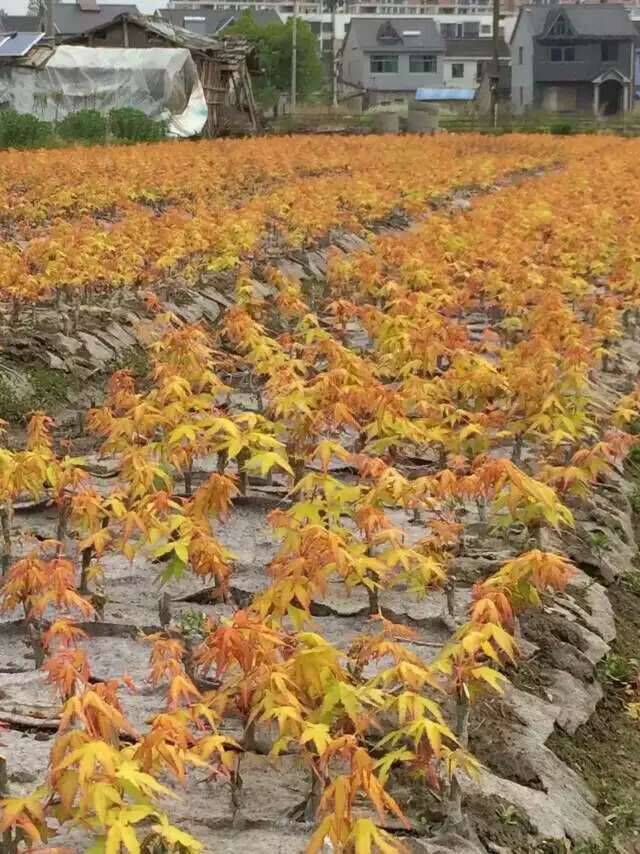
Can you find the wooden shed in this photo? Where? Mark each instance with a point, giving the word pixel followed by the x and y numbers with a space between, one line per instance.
pixel 224 64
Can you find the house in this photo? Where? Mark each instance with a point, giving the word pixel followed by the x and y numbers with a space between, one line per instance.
pixel 466 59
pixel 72 18
pixel 388 60
pixel 211 22
pixel 223 65
pixel 20 24
pixel 69 18
pixel 485 93
pixel 53 82
pixel 570 58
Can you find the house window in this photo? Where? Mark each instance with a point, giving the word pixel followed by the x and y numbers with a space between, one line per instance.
pixel 609 51
pixel 467 29
pixel 422 63
pixel 384 63
pixel 562 54
pixel 521 95
pixel 457 70
pixel 520 55
pixel 485 29
pixel 387 33
pixel 479 70
pixel 559 28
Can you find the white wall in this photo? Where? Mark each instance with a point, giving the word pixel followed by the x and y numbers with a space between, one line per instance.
pixel 468 81
pixel 522 73
pixel 485 21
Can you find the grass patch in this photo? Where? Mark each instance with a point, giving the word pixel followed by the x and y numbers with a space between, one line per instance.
pixel 135 360
pixel 606 750
pixel 41 388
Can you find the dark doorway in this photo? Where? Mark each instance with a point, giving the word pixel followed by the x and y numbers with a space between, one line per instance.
pixel 611 93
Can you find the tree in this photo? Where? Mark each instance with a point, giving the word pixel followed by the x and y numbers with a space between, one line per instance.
pixel 38 8
pixel 274 46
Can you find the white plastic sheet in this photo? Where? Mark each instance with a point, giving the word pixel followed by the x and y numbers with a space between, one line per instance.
pixel 162 82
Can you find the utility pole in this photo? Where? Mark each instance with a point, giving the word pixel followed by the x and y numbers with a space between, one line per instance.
pixel 51 31
pixel 495 75
pixel 294 55
pixel 334 57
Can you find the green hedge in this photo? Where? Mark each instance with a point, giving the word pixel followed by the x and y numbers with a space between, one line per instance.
pixel 23 131
pixel 134 126
pixel 84 126
pixel 18 130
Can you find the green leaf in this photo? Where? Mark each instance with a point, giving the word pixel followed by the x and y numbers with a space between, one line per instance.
pixel 384 765
pixel 491 676
pixel 174 569
pixel 182 551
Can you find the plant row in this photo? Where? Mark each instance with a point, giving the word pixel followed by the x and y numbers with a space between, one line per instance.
pixel 446 381
pixel 139 217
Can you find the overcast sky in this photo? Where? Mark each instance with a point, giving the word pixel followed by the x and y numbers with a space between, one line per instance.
pixel 19 7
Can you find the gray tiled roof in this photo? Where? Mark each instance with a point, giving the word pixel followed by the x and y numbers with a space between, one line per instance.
pixel 364 31
pixel 602 19
pixel 262 17
pixel 70 19
pixel 20 23
pixel 214 20
pixel 475 47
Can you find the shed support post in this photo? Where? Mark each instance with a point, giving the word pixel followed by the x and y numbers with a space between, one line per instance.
pixel 50 23
pixel 596 99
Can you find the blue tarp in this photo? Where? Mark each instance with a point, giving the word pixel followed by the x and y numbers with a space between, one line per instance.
pixel 445 94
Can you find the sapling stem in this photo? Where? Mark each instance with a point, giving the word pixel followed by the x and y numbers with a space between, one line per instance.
pixel 456 821
pixel 372 593
pixel 235 783
pixel 6 516
pixel 298 470
pixel 516 453
pixel 34 639
pixel 315 796
pixel 84 570
pixel 188 475
pixel 243 476
pixel 8 844
pixel 450 595
pixel 61 528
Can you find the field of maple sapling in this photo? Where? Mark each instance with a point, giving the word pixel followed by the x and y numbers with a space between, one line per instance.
pixel 329 571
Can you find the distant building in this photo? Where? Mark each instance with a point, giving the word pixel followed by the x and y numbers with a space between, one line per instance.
pixel 20 23
pixel 210 22
pixel 568 58
pixel 466 59
pixel 223 64
pixel 485 91
pixel 73 18
pixel 387 60
pixel 385 8
pixel 69 18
